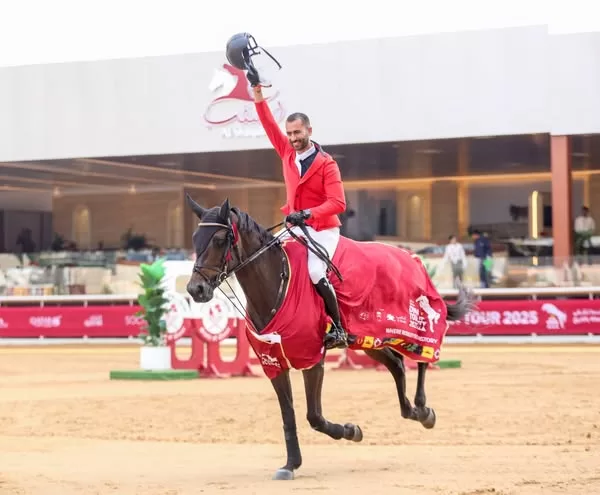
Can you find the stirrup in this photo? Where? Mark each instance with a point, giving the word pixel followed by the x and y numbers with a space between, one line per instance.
pixel 336 338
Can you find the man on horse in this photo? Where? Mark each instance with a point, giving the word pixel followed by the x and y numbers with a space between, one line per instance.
pixel 315 196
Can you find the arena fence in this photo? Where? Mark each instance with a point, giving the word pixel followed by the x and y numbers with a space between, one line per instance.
pixel 511 315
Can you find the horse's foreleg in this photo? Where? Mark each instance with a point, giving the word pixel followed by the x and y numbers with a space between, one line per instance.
pixel 313 385
pixel 425 415
pixel 283 389
pixel 395 365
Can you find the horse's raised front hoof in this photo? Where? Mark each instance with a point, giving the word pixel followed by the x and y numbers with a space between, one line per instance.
pixel 283 474
pixel 353 432
pixel 429 421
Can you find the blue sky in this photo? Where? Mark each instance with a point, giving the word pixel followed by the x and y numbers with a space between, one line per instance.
pixel 49 31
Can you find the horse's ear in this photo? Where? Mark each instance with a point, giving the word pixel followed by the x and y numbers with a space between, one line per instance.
pixel 196 208
pixel 225 210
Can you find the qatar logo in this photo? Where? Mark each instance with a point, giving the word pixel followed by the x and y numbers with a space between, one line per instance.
pixel 232 106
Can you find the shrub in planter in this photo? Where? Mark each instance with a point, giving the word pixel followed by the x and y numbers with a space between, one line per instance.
pixel 154 303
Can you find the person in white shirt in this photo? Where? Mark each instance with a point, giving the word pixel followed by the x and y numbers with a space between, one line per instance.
pixel 584 222
pixel 584 229
pixel 455 254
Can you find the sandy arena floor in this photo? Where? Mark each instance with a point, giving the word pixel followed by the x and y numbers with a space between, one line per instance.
pixel 521 420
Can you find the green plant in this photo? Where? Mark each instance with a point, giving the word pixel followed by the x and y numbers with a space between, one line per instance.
pixel 153 303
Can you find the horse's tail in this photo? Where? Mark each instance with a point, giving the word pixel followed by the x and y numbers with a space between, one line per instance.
pixel 465 302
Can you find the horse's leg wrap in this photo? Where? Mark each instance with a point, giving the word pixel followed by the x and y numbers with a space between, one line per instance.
pixel 395 364
pixel 283 389
pixel 313 384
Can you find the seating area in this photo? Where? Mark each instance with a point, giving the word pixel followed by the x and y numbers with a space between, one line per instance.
pixel 66 272
pixel 116 272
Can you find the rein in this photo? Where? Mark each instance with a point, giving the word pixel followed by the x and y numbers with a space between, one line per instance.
pixel 223 274
pixel 321 252
pixel 233 243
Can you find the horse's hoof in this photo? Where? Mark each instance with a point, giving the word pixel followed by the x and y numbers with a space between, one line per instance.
pixel 357 434
pixel 429 421
pixel 283 474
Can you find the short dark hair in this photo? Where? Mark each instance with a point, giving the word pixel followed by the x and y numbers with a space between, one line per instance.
pixel 299 116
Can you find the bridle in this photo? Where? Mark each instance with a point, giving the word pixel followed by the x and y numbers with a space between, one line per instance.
pixel 233 237
pixel 223 274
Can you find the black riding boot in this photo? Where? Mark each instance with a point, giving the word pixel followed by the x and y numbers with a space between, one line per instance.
pixel 336 337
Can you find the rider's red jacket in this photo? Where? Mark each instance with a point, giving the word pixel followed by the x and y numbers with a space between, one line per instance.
pixel 320 189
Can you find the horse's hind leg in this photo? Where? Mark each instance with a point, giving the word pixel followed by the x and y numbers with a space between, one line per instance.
pixel 313 385
pixel 395 364
pixel 425 415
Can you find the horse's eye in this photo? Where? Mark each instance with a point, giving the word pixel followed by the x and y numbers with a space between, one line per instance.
pixel 219 242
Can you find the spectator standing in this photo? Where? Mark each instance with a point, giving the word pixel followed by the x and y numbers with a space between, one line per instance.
pixel 455 254
pixel 483 252
pixel 584 230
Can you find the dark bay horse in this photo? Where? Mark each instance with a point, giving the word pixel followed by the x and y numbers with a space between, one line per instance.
pixel 228 241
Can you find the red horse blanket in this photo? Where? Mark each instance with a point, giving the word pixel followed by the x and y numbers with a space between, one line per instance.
pixel 386 299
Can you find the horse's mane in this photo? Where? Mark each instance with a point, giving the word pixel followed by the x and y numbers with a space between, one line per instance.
pixel 248 224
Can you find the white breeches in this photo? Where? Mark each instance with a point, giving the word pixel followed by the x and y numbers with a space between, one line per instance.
pixel 328 238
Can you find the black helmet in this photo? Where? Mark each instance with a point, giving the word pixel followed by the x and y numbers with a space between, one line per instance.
pixel 240 49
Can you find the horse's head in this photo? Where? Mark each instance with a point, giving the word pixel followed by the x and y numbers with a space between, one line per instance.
pixel 215 241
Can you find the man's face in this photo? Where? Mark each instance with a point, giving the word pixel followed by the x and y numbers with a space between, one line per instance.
pixel 298 134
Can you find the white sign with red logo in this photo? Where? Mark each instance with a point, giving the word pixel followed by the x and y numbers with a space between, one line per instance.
pixel 216 318
pixel 232 110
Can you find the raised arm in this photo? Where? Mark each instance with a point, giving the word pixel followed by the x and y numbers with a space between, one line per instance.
pixel 276 136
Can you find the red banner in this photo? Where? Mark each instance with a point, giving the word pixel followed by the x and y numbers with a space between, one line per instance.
pixel 541 317
pixel 526 317
pixel 69 321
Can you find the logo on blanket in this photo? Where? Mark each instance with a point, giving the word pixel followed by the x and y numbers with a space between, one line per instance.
pixel 267 360
pixel 369 342
pixel 421 322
